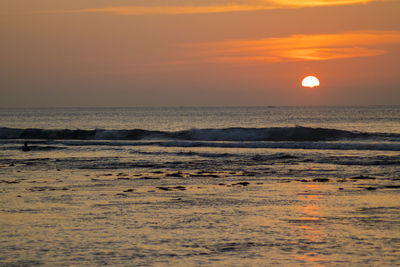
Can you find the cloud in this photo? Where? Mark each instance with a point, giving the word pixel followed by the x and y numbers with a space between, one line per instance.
pixel 314 3
pixel 299 47
pixel 217 6
pixel 172 10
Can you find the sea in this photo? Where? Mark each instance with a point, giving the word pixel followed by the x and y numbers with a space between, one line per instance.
pixel 200 186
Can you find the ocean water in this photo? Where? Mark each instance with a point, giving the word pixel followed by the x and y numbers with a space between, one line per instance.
pixel 228 186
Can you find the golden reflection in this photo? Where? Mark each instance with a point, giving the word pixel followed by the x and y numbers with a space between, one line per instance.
pixel 310 258
pixel 300 47
pixel 311 220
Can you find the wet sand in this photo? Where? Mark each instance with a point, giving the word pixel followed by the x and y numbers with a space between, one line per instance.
pixel 203 217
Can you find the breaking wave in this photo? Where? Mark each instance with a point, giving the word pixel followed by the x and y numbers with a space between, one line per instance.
pixel 297 133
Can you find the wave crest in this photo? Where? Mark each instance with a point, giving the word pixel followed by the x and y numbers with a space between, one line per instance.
pixel 297 133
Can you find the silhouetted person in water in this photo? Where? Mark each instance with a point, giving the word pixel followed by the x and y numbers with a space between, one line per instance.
pixel 26 148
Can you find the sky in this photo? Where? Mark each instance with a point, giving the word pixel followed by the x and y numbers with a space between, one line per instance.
pixel 102 53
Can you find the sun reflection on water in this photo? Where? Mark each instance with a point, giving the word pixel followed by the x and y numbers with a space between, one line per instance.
pixel 311 222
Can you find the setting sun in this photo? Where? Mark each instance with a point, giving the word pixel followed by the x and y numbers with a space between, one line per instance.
pixel 310 81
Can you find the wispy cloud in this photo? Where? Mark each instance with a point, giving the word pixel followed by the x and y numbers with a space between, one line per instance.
pixel 172 10
pixel 299 47
pixel 313 3
pixel 218 6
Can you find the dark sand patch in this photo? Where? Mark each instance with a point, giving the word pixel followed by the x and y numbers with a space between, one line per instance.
pixel 362 177
pixel 242 183
pixel 172 188
pixel 321 180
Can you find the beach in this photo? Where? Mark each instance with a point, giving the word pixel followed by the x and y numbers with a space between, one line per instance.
pixel 305 186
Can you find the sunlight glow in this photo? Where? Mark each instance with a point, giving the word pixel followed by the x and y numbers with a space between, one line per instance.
pixel 310 81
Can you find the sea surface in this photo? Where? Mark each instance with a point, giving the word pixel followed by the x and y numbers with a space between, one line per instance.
pixel 222 186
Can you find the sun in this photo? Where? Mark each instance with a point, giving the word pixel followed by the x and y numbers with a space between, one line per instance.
pixel 310 81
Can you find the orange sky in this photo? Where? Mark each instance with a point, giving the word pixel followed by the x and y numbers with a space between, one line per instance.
pixel 203 53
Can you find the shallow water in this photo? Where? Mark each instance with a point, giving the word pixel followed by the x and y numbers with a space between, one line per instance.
pixel 187 202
